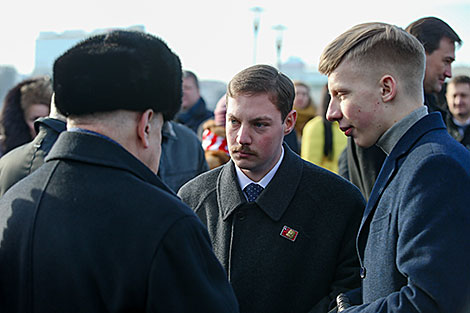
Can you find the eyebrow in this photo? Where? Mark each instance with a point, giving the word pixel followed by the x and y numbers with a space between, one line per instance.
pixel 257 119
pixel 262 119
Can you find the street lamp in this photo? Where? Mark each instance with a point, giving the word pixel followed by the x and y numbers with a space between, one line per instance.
pixel 279 28
pixel 257 11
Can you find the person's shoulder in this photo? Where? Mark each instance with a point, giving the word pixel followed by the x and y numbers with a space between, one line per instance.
pixel 17 182
pixel 15 163
pixel 313 125
pixel 150 199
pixel 439 147
pixel 319 179
pixel 440 142
pixel 314 172
pixel 183 130
pixel 16 154
pixel 204 181
pixel 199 187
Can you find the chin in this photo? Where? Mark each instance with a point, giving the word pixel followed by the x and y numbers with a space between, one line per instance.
pixel 243 164
pixel 363 144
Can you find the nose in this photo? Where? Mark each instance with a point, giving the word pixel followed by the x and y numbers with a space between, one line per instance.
pixel 243 135
pixel 334 111
pixel 448 71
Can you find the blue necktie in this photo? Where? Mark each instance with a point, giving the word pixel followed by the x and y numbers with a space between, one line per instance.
pixel 252 191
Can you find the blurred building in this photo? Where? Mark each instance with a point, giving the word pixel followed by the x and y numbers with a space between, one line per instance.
pixel 212 91
pixel 51 45
pixel 296 69
pixel 9 77
pixel 460 70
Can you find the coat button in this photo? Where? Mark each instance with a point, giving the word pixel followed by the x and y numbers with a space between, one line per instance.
pixel 362 272
pixel 241 216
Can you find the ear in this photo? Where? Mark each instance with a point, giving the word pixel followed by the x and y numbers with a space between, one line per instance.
pixel 388 88
pixel 143 127
pixel 290 121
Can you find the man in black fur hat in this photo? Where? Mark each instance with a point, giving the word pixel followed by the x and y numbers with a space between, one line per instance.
pixel 94 229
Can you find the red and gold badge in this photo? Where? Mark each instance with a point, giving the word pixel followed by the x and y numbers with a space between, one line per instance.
pixel 289 233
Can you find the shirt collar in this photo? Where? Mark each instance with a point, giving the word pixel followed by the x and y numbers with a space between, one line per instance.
pixel 244 181
pixel 391 137
pixel 460 124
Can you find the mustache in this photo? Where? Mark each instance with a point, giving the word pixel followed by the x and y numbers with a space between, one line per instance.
pixel 242 149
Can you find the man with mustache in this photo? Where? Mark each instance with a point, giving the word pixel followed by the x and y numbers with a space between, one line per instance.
pixel 283 228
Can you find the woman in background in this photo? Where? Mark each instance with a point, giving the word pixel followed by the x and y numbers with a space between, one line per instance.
pixel 323 141
pixel 24 103
pixel 303 104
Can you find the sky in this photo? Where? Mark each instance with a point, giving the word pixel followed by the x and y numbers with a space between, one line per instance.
pixel 215 38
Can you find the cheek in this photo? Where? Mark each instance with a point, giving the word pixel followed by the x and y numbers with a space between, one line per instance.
pixel 231 135
pixel 268 143
pixel 30 124
pixel 363 118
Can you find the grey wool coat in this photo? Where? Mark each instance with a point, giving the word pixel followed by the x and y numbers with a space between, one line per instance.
pixel 271 273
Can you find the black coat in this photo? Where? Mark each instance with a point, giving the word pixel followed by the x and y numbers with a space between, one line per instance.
pixel 270 273
pixel 94 230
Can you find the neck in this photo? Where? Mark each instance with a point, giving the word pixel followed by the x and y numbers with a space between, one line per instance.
pixel 403 111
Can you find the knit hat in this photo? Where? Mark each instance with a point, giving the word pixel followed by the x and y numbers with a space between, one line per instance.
pixel 220 111
pixel 37 92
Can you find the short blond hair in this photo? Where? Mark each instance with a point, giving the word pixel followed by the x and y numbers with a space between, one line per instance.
pixel 380 46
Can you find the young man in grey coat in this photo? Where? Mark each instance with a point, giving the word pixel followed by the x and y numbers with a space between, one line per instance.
pixel 290 249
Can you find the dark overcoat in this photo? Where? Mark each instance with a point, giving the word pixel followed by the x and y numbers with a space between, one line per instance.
pixel 94 230
pixel 182 156
pixel 269 272
pixel 414 240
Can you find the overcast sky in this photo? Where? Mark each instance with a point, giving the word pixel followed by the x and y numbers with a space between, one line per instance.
pixel 214 38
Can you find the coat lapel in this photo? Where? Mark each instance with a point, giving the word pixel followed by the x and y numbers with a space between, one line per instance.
pixel 229 194
pixel 428 123
pixel 275 199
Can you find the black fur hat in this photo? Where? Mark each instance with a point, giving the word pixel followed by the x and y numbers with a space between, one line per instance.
pixel 119 70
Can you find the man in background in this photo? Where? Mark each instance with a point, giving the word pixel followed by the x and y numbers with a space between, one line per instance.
pixel 193 107
pixel 182 155
pixel 458 101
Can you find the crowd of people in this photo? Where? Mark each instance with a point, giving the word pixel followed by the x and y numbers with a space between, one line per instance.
pixel 120 191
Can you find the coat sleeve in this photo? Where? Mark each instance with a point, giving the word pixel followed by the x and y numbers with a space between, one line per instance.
pixel 186 276
pixel 347 263
pixel 433 247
